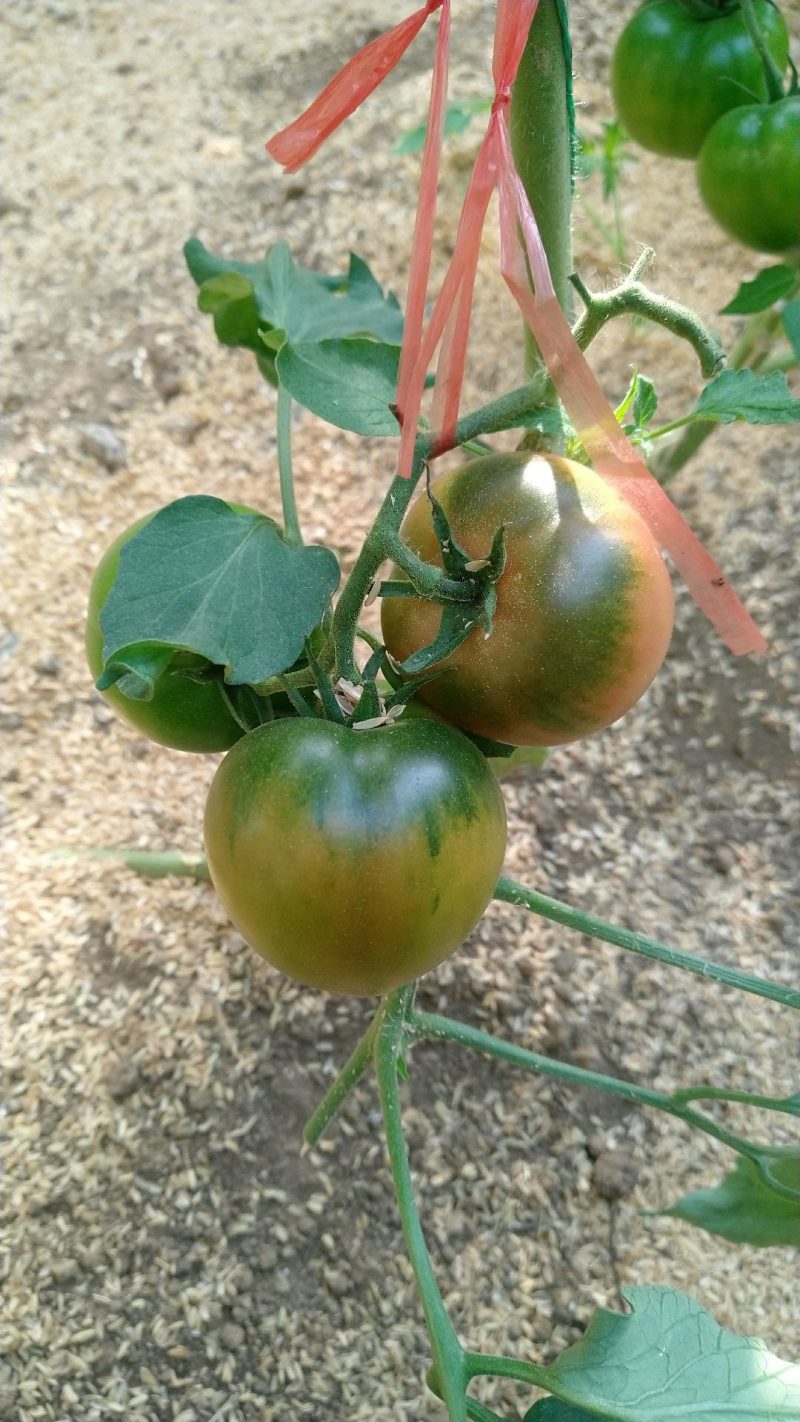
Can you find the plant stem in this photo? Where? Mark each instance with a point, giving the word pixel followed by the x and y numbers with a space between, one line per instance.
pixel 542 123
pixel 448 1355
pixel 291 522
pixel 150 863
pixel 632 298
pixel 430 1024
pixel 348 1077
pixel 511 892
pixel 772 74
pixel 755 343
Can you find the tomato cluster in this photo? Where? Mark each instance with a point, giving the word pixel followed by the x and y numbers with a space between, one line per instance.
pixel 688 82
pixel 355 858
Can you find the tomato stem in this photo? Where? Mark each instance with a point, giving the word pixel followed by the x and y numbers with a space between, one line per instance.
pixel 632 298
pixel 349 1077
pixel 753 349
pixel 773 77
pixel 291 522
pixel 423 1025
pixel 448 1355
pixel 543 143
pixel 508 891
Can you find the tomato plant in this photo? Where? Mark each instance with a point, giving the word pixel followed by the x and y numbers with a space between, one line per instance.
pixel 183 713
pixel 355 860
pixel 356 831
pixel 678 66
pixel 584 605
pixel 749 174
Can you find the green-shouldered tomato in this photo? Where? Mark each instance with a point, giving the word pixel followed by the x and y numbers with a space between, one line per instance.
pixel 584 605
pixel 354 861
pixel 749 174
pixel 678 67
pixel 184 714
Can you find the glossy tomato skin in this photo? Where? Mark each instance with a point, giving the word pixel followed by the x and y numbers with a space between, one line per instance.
pixel 749 174
pixel 354 861
pixel 183 714
pixel 584 605
pixel 674 74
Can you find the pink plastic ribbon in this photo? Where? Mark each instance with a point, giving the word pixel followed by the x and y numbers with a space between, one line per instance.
pixel 348 89
pixel 522 252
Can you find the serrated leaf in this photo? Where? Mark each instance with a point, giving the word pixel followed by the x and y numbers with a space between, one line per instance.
pixel 670 1361
pixel 350 383
pixel 285 296
pixel 744 1208
pixel 771 285
pixel 645 401
pixel 790 318
pixel 551 1409
pixel 744 395
pixel 225 585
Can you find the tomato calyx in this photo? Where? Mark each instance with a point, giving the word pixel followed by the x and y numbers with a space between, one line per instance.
pixel 479 576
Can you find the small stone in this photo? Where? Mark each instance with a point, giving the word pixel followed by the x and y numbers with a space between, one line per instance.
pixel 267 1258
pixel 104 445
pixel 122 1079
pixel 597 1144
pixel 615 1174
pixel 185 431
pixel 723 859
pixel 169 382
pixel 337 1282
pixel 64 1271
pixel 48 665
pixel 232 1335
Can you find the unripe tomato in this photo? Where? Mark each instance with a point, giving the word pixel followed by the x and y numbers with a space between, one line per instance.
pixel 749 174
pixel 354 860
pixel 675 72
pixel 584 605
pixel 183 714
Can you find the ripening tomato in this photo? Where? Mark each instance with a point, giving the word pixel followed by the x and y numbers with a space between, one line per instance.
pixel 749 174
pixel 584 604
pixel 355 860
pixel 183 714
pixel 675 71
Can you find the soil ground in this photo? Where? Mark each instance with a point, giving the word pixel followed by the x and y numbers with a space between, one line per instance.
pixel 172 1255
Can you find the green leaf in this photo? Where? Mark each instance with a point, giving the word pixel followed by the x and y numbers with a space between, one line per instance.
pixel 550 1409
pixel 350 383
pixel 670 1361
pixel 262 305
pixel 744 395
pixel 645 401
pixel 203 578
pixel 744 1208
pixel 790 318
pixel 458 116
pixel 771 285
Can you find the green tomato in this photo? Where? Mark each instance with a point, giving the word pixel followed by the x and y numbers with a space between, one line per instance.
pixel 354 861
pixel 675 72
pixel 584 605
pixel 749 174
pixel 184 714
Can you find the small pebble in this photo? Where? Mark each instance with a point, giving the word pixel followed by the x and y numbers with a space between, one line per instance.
pixel 615 1174
pixel 105 446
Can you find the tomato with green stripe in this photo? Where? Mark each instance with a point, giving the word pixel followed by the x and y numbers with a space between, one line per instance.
pixel 355 860
pixel 584 604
